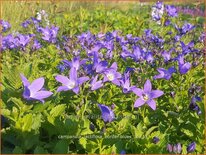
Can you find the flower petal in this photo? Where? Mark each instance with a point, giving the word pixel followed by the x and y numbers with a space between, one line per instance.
pixel 76 90
pixel 62 88
pixel 81 80
pixel 107 113
pixel 156 93
pixel 36 85
pixel 96 85
pixel 137 91
pixel 147 86
pixel 73 74
pixel 184 68
pixel 24 80
pixel 114 66
pixel 41 95
pixel 116 82
pixel 63 79
pixel 139 102
pixel 152 104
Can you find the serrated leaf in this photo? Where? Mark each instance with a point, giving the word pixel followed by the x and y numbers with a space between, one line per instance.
pixel 83 142
pixel 58 110
pixel 17 102
pixel 150 130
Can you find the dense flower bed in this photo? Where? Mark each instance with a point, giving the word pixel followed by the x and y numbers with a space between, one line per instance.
pixel 103 92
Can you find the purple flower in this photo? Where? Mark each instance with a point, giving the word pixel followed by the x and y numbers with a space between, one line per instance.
pixel 167 22
pixel 183 67
pixel 191 147
pixel 5 25
pixel 187 48
pixel 193 105
pixel 72 83
pixel 177 148
pixel 35 21
pixel 8 42
pixel 23 40
pixel 123 152
pixel 34 90
pixel 149 57
pixel 96 84
pixel 159 5
pixel 61 67
pixel 49 34
pixel 166 56
pixel 125 83
pixel 185 28
pixel 155 140
pixel 171 11
pixel 75 63
pixel 112 75
pixel 166 74
pixel 169 147
pixel 97 66
pixel 107 113
pixel 137 53
pixel 26 23
pixel 157 11
pixel 36 45
pixel 147 95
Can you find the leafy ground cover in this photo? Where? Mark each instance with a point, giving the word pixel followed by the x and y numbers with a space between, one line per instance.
pixel 103 80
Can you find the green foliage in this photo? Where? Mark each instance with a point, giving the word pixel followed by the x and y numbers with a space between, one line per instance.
pixel 63 123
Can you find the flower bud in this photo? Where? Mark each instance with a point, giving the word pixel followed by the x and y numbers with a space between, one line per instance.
pixel 191 147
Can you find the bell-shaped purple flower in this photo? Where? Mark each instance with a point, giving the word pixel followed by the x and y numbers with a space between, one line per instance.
pixel 147 95
pixel 183 67
pixel 177 148
pixel 26 23
pixel 191 147
pixel 49 34
pixel 96 84
pixel 187 48
pixel 155 140
pixel 71 83
pixel 171 11
pixel 75 63
pixel 34 91
pixel 193 105
pixel 169 147
pixel 107 113
pixel 5 25
pixel 185 28
pixel 125 83
pixel 166 56
pixel 165 74
pixel 112 75
pixel 37 45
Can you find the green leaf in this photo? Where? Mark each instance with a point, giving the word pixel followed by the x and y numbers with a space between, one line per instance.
pixel 40 150
pixel 150 130
pixel 58 110
pixel 83 142
pixel 17 150
pixel 61 147
pixel 17 102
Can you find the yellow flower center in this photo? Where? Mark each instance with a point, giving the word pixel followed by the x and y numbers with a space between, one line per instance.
pixel 110 76
pixel 145 97
pixel 71 85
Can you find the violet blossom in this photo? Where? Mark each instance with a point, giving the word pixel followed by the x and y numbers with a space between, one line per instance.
pixel 147 95
pixel 34 91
